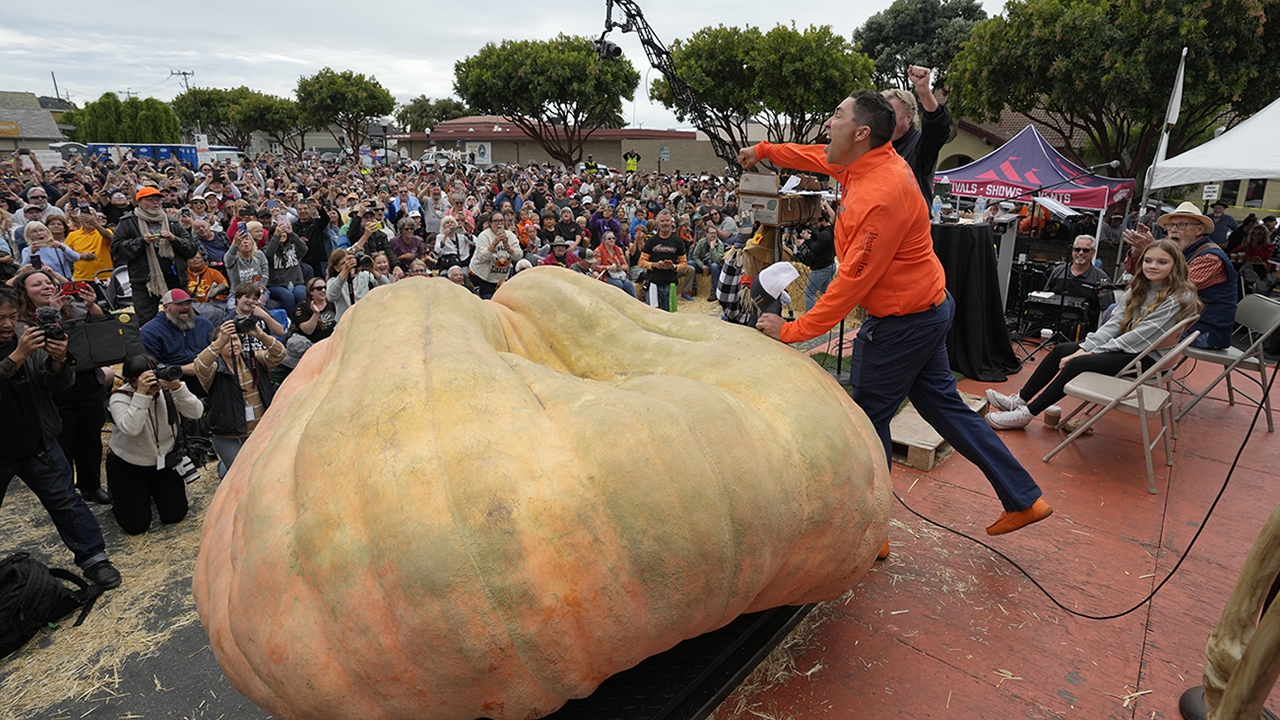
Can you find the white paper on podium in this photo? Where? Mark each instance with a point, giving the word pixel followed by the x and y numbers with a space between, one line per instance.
pixel 775 278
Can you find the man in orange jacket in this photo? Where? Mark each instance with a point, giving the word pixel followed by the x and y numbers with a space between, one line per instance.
pixel 884 246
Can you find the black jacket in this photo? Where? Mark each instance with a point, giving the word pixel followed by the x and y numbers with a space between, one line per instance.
pixel 29 420
pixel 314 233
pixel 822 251
pixel 920 148
pixel 226 399
pixel 130 247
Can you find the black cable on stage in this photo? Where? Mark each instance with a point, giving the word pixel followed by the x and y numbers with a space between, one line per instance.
pixel 1230 471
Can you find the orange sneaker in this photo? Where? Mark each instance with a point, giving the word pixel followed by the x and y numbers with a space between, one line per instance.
pixel 1010 521
pixel 884 550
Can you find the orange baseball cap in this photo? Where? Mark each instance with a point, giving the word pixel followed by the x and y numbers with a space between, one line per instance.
pixel 146 192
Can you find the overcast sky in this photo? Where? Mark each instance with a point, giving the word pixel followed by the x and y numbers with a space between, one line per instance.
pixel 410 47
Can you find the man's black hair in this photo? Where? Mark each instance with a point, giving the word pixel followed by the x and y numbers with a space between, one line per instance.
pixel 872 109
pixel 8 297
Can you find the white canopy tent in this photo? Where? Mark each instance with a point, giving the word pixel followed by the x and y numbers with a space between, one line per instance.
pixel 1251 150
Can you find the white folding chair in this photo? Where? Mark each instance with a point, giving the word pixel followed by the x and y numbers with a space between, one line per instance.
pixel 1260 316
pixel 1103 393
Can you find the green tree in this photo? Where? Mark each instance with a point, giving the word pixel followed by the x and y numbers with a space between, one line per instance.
pixel 1112 88
pixel 717 63
pixel 786 79
pixel 99 121
pixel 928 33
pixel 556 90
pixel 278 118
pixel 156 122
pixel 209 110
pixel 802 76
pixel 422 113
pixel 136 120
pixel 347 100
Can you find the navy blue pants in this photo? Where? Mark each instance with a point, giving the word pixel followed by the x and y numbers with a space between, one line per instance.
pixel 49 477
pixel 906 357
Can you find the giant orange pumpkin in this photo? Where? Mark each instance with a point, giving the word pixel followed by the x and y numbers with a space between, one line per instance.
pixel 459 509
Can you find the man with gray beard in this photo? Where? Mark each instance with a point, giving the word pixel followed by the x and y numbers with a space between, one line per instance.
pixel 178 334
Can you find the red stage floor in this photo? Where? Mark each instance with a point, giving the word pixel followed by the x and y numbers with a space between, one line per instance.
pixel 945 628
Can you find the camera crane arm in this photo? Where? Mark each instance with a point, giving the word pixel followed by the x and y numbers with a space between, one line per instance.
pixel 660 59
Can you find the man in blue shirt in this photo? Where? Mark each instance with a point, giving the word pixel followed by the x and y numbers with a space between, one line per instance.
pixel 1223 224
pixel 177 335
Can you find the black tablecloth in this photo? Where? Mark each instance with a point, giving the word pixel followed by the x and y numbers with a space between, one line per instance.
pixel 978 341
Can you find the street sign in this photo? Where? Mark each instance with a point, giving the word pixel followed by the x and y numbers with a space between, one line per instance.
pixel 1210 192
pixel 664 154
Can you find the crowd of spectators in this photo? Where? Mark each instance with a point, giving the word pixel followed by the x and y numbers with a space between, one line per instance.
pixel 235 269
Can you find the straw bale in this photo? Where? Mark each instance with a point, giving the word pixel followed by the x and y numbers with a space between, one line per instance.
pixel 134 620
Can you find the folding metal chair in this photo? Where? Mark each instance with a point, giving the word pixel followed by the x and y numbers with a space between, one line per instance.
pixel 1104 393
pixel 1260 316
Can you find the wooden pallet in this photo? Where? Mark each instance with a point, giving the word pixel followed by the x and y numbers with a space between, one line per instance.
pixel 916 444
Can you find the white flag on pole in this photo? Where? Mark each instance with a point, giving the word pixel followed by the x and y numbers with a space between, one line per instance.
pixel 1175 100
pixel 1175 107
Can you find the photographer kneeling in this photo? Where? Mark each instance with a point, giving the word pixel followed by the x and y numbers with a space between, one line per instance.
pixel 142 464
pixel 238 383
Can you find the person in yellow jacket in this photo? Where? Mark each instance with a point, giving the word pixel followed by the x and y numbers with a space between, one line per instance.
pixel 92 240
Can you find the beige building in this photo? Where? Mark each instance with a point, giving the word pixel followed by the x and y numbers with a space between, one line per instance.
pixel 26 124
pixel 495 139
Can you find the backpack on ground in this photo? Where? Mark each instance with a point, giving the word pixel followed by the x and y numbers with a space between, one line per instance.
pixel 33 595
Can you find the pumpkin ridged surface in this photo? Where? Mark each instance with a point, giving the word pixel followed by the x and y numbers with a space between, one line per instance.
pixel 458 508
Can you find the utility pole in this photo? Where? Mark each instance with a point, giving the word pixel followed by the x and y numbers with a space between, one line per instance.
pixel 186 83
pixel 185 75
pixel 128 93
pixel 55 85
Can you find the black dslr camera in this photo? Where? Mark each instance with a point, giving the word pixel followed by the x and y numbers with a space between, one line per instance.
pixel 167 373
pixel 49 320
pixel 245 325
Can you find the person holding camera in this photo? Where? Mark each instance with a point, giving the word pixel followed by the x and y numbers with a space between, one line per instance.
pixel 248 310
pixel 453 244
pixel 142 466
pixel 819 253
pixel 285 251
pixel 32 368
pixel 155 250
pixel 348 281
pixel 43 251
pixel 367 232
pixel 92 240
pixel 497 250
pixel 43 302
pixel 244 262
pixel 239 385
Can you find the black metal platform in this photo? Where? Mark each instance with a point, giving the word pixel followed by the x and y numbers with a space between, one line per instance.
pixel 691 679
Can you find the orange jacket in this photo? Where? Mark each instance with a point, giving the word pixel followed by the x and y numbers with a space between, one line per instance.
pixel 884 241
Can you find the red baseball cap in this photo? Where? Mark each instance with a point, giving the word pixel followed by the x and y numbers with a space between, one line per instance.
pixel 175 296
